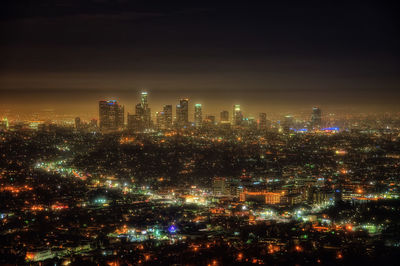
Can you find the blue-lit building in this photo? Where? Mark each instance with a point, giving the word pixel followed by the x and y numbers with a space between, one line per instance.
pixel 111 115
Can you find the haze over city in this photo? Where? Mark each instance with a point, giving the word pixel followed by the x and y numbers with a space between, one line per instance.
pixel 272 57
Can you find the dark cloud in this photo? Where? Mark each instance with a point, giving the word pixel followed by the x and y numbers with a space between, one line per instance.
pixel 297 54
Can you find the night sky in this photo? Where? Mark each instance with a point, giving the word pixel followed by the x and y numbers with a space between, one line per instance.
pixel 68 55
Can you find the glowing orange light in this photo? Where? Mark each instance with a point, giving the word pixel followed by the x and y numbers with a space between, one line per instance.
pixel 30 256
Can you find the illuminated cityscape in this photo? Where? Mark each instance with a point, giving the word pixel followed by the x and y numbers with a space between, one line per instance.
pixel 197 134
pixel 223 192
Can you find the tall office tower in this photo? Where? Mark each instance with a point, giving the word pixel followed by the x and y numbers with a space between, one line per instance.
pixel 237 116
pixel 167 120
pixel 251 122
pixel 220 186
pixel 224 116
pixel 316 118
pixel 287 123
pixel 143 111
pixel 4 123
pixel 111 115
pixel 77 123
pixel 139 110
pixel 262 121
pixel 160 117
pixel 146 110
pixel 182 113
pixel 198 118
pixel 143 100
pixel 135 123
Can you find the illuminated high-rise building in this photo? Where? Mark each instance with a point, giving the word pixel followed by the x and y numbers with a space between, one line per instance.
pixel 316 118
pixel 224 116
pixel 220 186
pixel 139 110
pixel 4 123
pixel 287 123
pixel 111 115
pixel 167 116
pixel 198 116
pixel 143 100
pixel 237 115
pixel 182 113
pixel 146 111
pixel 262 121
pixel 143 111
pixel 77 123
pixel 135 123
pixel 160 120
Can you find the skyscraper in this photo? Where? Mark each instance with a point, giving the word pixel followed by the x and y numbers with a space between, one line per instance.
pixel 143 100
pixel 237 116
pixel 198 118
pixel 160 120
pixel 287 123
pixel 224 116
pixel 316 118
pixel 167 116
pixel 143 112
pixel 135 123
pixel 111 115
pixel 4 123
pixel 146 111
pixel 77 123
pixel 262 121
pixel 182 113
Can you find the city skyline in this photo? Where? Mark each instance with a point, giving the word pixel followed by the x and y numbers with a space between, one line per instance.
pixel 199 133
pixel 209 107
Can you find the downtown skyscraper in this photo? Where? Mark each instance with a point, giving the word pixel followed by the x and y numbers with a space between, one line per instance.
pixel 111 115
pixel 237 115
pixel 141 120
pixel 316 118
pixel 167 116
pixel 198 116
pixel 182 113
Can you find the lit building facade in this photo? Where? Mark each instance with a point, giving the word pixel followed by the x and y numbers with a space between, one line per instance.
pixel 143 111
pixel 167 117
pixel 316 118
pixel 224 117
pixel 111 115
pixel 262 121
pixel 237 115
pixel 182 113
pixel 198 116
pixel 261 196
